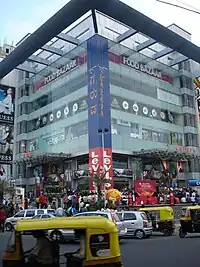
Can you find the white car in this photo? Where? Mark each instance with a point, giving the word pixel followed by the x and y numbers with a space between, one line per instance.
pixel 112 216
pixel 25 214
pixel 44 216
pixel 137 224
pixel 68 235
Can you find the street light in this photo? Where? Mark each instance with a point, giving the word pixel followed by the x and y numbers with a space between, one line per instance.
pixel 102 132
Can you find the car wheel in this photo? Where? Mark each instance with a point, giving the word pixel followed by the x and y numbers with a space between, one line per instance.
pixel 57 236
pixel 9 227
pixel 140 234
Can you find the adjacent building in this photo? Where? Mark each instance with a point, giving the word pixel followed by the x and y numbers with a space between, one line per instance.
pixel 103 94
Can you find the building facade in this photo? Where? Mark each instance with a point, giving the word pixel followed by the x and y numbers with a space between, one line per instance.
pixel 7 97
pixel 103 99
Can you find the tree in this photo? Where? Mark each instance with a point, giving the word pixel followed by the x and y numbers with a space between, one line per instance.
pixel 5 188
pixel 99 181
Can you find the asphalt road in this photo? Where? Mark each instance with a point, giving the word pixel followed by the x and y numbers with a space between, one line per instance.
pixel 155 251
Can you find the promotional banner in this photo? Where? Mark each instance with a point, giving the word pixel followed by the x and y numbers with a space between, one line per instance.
pixel 6 143
pixel 194 182
pixel 99 122
pixel 144 191
pixel 7 97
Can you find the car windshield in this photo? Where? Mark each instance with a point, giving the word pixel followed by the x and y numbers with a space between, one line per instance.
pixel 120 216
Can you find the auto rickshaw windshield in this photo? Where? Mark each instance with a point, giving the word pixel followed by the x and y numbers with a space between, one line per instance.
pixel 185 213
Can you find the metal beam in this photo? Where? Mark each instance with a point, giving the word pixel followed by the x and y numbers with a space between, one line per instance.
pixel 22 67
pixel 126 35
pixel 39 60
pixel 145 44
pixel 53 50
pixel 163 53
pixel 178 60
pixel 68 38
pixel 117 10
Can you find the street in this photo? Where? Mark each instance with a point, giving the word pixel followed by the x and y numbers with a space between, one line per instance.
pixel 157 250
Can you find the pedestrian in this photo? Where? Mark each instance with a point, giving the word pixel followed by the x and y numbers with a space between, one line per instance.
pixel 2 218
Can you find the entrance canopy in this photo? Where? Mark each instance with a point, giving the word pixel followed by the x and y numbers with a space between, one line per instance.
pixel 32 48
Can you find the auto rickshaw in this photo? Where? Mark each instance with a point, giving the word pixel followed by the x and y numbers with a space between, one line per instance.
pixel 99 244
pixel 189 220
pixel 162 219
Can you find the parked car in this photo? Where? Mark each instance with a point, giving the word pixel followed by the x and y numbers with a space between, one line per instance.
pixel 44 216
pixel 137 224
pixel 68 235
pixel 25 214
pixel 112 216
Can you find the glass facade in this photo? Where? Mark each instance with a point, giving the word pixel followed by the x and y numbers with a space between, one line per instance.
pixel 146 104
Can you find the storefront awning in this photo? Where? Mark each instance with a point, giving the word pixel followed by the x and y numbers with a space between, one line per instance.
pixel 33 160
pixel 167 154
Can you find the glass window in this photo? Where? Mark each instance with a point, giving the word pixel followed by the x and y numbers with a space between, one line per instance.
pixel 144 216
pixel 176 139
pixel 37 217
pixel 20 214
pixel 185 66
pixel 188 101
pixel 60 92
pixel 191 139
pixel 51 211
pixel 45 216
pixel 190 120
pixel 30 213
pixel 129 216
pixel 23 127
pixel 186 82
pixel 40 212
pixel 22 146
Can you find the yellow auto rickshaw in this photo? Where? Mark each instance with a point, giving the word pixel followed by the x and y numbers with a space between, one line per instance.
pixel 189 220
pixel 98 238
pixel 162 219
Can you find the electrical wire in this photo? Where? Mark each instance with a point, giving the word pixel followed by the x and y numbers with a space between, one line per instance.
pixel 174 5
pixel 193 7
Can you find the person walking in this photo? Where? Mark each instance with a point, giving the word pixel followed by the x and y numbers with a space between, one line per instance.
pixel 2 218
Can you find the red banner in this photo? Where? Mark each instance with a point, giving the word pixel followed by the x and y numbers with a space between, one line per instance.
pixel 100 162
pixel 145 190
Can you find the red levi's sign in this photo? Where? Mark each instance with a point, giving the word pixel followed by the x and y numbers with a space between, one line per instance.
pixel 100 162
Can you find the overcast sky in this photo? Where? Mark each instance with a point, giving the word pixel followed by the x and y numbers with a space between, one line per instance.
pixel 21 17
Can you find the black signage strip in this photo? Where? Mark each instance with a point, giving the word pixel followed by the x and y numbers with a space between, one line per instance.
pixel 113 8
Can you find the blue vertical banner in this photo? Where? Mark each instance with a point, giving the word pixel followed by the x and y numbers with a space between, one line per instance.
pixel 99 114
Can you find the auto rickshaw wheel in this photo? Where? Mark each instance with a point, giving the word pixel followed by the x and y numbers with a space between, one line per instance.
pixel 181 234
pixel 167 232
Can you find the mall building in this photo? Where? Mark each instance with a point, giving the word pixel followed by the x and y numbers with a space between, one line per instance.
pixel 99 91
